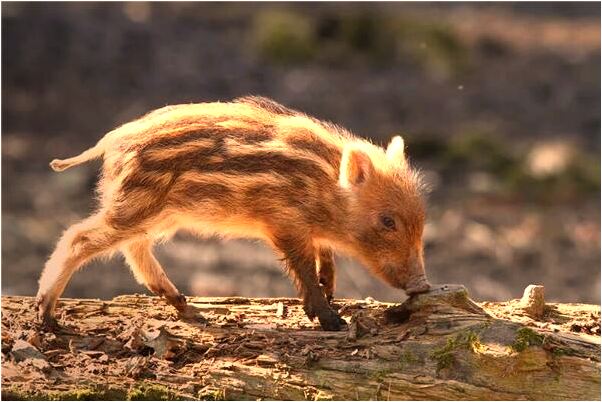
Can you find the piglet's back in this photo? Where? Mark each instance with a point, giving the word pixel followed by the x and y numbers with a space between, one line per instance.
pixel 252 158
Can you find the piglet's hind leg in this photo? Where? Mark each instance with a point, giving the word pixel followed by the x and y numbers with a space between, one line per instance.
pixel 149 272
pixel 78 245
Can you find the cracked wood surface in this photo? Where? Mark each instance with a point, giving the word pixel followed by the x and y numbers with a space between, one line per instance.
pixel 437 345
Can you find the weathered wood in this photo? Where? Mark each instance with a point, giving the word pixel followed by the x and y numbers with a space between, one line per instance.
pixel 438 345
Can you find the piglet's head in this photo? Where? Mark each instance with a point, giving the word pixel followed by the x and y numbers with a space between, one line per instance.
pixel 387 213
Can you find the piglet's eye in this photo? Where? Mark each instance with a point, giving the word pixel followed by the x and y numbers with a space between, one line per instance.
pixel 387 222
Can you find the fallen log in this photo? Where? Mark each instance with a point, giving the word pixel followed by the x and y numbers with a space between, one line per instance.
pixel 437 345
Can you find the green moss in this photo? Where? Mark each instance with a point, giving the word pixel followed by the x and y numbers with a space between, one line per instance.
pixel 13 393
pixel 150 392
pixel 444 357
pixel 84 394
pixel 460 297
pixel 323 396
pixel 463 341
pixel 81 394
pixel 211 394
pixel 409 358
pixel 378 375
pixel 526 337
pixel 140 392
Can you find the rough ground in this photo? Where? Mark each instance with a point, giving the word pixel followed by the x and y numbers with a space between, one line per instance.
pixel 134 347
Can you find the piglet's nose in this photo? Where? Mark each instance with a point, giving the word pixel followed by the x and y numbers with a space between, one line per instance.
pixel 418 284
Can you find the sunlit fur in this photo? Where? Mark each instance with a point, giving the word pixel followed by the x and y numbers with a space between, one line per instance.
pixel 247 168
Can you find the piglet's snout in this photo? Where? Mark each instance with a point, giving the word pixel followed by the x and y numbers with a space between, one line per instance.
pixel 417 284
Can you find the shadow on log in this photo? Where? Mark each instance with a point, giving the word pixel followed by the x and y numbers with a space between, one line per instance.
pixel 436 345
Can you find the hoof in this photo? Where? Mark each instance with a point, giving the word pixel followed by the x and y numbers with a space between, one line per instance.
pixel 331 321
pixel 178 301
pixel 191 313
pixel 309 312
pixel 44 315
pixel 48 323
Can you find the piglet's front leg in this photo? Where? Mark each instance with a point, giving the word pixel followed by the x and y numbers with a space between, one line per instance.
pixel 301 265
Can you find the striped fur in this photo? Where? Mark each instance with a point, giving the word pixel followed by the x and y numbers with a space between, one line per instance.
pixel 250 168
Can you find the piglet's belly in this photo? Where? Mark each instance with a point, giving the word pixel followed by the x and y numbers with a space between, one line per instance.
pixel 223 226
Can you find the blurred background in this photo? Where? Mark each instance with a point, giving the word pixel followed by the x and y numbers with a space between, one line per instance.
pixel 499 105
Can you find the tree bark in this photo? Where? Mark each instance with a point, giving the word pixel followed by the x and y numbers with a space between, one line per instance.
pixel 437 345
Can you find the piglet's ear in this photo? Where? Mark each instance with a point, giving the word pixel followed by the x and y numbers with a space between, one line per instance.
pixel 396 151
pixel 356 167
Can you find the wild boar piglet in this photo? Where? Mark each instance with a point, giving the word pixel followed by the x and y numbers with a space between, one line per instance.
pixel 248 168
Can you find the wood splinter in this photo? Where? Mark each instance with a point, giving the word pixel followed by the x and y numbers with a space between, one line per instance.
pixel 533 301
